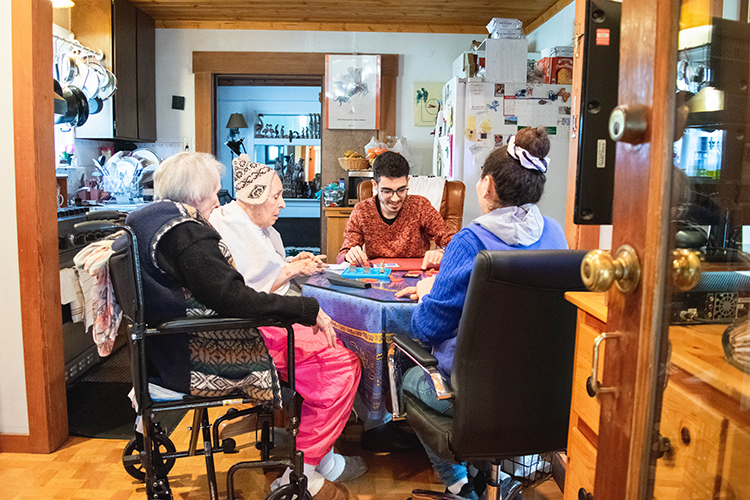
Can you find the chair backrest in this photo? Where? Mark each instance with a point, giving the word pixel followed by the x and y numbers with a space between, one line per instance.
pixel 451 206
pixel 513 365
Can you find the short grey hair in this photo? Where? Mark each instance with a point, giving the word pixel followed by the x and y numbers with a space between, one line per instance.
pixel 187 177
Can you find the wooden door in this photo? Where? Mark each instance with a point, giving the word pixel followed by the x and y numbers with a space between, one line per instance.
pixel 664 184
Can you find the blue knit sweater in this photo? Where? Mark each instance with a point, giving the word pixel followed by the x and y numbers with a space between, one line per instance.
pixel 435 321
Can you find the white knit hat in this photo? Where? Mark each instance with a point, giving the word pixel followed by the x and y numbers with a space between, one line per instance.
pixel 252 181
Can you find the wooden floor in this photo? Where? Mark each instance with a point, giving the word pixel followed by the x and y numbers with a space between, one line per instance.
pixel 89 469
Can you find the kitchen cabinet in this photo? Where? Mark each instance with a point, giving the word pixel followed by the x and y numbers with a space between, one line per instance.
pixel 704 436
pixel 126 36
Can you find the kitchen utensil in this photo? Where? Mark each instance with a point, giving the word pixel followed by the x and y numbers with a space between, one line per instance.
pixel 68 69
pixel 81 73
pixel 91 84
pixel 77 111
pixel 95 105
pixel 83 106
pixel 107 81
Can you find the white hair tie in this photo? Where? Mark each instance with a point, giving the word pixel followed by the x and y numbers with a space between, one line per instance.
pixel 526 159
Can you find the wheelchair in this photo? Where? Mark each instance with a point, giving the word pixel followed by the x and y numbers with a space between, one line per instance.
pixel 150 457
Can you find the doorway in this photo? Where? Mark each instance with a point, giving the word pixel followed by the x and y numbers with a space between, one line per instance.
pixel 279 126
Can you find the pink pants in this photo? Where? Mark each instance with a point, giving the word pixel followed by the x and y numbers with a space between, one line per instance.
pixel 326 378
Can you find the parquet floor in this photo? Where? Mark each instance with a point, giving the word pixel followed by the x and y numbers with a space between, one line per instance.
pixel 91 469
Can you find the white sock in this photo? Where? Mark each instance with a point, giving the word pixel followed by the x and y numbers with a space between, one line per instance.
pixel 338 464
pixel 455 488
pixel 326 464
pixel 314 479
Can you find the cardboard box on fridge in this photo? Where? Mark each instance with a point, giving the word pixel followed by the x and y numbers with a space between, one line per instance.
pixel 556 70
pixel 505 60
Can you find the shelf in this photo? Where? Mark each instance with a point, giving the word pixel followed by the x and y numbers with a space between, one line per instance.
pixel 286 142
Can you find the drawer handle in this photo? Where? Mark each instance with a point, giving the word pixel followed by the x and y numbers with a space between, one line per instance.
pixel 584 495
pixel 595 387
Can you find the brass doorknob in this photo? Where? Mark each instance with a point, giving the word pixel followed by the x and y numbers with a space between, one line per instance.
pixel 686 269
pixel 599 270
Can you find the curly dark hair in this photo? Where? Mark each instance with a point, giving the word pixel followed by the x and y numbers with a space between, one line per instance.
pixel 514 184
pixel 391 165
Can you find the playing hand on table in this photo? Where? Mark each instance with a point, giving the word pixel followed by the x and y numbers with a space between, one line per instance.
pixel 307 255
pixel 307 265
pixel 357 256
pixel 432 258
pixel 417 292
pixel 325 324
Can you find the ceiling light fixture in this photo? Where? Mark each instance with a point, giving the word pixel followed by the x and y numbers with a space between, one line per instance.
pixel 62 4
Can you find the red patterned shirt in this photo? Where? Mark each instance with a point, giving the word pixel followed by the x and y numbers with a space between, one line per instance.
pixel 409 236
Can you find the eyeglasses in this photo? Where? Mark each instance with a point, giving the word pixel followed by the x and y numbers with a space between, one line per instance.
pixel 389 192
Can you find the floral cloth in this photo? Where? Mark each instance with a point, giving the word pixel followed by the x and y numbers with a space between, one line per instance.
pixel 102 312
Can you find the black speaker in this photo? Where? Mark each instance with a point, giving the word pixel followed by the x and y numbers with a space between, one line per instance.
pixel 595 175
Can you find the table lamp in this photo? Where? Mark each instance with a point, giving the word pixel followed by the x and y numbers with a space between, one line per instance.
pixel 235 123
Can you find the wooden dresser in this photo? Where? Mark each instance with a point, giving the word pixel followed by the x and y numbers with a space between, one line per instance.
pixel 336 219
pixel 705 414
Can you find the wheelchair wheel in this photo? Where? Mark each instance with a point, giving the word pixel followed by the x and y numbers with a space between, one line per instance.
pixel 134 448
pixel 288 492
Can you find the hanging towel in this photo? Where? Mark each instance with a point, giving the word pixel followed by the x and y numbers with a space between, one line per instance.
pixel 102 311
pixel 68 283
pixel 429 187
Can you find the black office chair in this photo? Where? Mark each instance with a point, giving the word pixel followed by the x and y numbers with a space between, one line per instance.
pixel 151 458
pixel 513 366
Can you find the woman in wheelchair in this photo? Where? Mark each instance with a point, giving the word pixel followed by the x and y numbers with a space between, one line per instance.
pixel 188 271
pixel 511 183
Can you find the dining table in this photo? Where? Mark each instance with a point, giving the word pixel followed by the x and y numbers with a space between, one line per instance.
pixel 365 320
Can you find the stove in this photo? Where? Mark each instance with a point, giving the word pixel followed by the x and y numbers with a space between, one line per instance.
pixel 78 345
pixel 66 244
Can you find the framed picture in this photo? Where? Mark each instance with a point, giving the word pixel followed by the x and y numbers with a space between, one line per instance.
pixel 352 92
pixel 427 97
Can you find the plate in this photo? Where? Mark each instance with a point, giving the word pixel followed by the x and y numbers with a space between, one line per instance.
pixel 125 171
pixel 148 155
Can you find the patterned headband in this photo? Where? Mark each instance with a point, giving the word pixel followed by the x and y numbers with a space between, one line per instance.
pixel 526 159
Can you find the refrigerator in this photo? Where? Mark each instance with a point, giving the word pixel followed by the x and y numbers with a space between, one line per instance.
pixel 477 117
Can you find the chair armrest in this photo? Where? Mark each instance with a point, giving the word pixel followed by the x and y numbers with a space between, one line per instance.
pixel 419 354
pixel 198 324
pixel 424 360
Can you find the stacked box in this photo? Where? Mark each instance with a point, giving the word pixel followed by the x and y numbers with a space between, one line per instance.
pixel 556 65
pixel 505 60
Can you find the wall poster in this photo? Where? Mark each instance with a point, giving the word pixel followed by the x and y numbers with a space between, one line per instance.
pixel 427 98
pixel 352 92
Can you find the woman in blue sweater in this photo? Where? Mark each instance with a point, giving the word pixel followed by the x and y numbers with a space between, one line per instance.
pixel 510 185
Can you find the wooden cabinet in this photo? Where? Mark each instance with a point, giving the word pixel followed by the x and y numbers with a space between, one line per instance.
pixel 584 407
pixel 126 36
pixel 336 219
pixel 702 414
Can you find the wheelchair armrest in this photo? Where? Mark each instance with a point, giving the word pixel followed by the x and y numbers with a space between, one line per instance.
pixel 419 354
pixel 203 323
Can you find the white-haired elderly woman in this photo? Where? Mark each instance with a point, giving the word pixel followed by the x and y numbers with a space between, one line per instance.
pixel 188 270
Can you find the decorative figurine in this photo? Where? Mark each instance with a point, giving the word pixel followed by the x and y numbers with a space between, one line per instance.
pixel 283 135
pixel 259 126
pixel 276 132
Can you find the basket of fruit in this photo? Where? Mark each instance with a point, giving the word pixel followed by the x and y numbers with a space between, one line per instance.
pixel 354 161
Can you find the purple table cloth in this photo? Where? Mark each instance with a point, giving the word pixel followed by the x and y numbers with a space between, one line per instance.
pixel 365 320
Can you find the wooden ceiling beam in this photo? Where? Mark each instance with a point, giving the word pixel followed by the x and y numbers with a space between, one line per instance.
pixel 548 14
pixel 327 26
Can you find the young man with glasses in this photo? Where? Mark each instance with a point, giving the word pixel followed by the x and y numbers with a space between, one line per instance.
pixel 392 223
